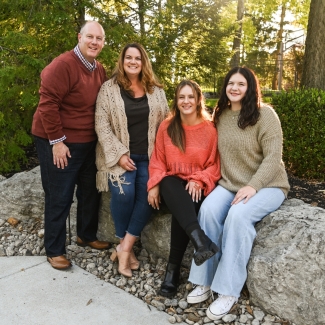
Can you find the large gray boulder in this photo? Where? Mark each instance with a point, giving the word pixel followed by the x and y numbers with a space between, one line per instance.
pixel 106 229
pixel 286 271
pixel 155 237
pixel 22 196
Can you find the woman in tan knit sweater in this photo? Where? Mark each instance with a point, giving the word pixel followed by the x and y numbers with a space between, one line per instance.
pixel 184 169
pixel 130 106
pixel 253 184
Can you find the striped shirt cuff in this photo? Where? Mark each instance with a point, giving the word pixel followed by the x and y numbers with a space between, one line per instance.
pixel 57 140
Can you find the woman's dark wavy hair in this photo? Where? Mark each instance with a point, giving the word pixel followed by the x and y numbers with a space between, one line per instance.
pixel 250 104
pixel 175 129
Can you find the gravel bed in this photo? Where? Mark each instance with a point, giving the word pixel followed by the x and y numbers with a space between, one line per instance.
pixel 25 238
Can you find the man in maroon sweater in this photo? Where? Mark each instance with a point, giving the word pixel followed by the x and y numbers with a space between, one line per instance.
pixel 65 139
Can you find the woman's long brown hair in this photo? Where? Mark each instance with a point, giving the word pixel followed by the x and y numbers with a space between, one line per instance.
pixel 175 129
pixel 147 76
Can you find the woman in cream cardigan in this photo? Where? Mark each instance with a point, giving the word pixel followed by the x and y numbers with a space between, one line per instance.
pixel 130 107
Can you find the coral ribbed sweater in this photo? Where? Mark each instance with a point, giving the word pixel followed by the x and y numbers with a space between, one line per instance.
pixel 199 163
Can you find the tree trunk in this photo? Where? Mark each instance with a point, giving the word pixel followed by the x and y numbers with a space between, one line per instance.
pixel 279 52
pixel 141 17
pixel 81 15
pixel 119 11
pixel 235 60
pixel 313 74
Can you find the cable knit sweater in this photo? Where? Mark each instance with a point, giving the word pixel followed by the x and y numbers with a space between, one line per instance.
pixel 112 130
pixel 252 156
pixel 199 163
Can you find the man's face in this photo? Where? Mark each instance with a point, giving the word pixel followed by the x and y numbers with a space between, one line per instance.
pixel 91 40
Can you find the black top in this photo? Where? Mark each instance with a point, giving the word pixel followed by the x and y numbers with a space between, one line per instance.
pixel 137 113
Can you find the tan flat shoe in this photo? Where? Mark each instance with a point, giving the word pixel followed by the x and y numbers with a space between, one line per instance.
pixel 134 263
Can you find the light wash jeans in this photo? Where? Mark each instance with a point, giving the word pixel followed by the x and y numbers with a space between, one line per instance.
pixel 231 227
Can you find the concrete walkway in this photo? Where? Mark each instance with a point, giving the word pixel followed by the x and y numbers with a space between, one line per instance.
pixel 33 293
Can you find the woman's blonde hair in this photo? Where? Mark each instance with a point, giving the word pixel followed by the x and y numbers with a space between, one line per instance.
pixel 147 76
pixel 175 129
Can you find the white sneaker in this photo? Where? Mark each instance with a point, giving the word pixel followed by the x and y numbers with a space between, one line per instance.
pixel 199 294
pixel 220 307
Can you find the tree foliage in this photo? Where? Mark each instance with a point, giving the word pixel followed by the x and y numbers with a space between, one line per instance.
pixel 266 30
pixel 185 39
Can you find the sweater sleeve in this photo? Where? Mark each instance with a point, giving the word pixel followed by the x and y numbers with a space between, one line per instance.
pixel 55 85
pixel 210 174
pixel 164 104
pixel 271 139
pixel 111 147
pixel 157 163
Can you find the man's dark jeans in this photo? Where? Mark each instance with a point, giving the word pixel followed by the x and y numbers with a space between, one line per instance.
pixel 59 185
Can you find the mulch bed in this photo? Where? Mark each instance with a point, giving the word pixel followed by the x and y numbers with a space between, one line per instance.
pixel 311 192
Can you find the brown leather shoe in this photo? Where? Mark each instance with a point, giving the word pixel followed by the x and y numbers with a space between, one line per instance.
pixel 97 244
pixel 59 262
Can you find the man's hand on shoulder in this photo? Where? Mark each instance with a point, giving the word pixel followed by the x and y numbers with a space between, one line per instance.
pixel 60 154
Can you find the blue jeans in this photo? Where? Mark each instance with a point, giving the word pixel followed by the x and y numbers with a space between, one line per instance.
pixel 231 227
pixel 59 185
pixel 131 210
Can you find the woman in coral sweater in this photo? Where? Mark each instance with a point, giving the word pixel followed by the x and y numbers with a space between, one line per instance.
pixel 184 169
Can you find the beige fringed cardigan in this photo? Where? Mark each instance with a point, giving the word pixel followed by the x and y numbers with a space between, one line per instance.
pixel 112 131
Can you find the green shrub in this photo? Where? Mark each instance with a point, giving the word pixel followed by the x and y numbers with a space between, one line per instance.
pixel 18 99
pixel 302 115
pixel 211 102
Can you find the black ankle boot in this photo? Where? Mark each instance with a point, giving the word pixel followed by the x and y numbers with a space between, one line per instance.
pixel 204 246
pixel 169 286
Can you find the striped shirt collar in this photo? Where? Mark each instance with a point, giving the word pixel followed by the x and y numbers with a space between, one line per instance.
pixel 87 64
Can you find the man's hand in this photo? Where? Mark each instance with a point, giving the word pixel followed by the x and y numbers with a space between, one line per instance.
pixel 60 154
pixel 127 163
pixel 245 192
pixel 154 197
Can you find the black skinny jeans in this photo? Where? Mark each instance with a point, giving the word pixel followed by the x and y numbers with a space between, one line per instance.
pixel 184 215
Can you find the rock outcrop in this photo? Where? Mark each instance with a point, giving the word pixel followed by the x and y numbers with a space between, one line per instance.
pixel 286 271
pixel 106 230
pixel 155 237
pixel 22 196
